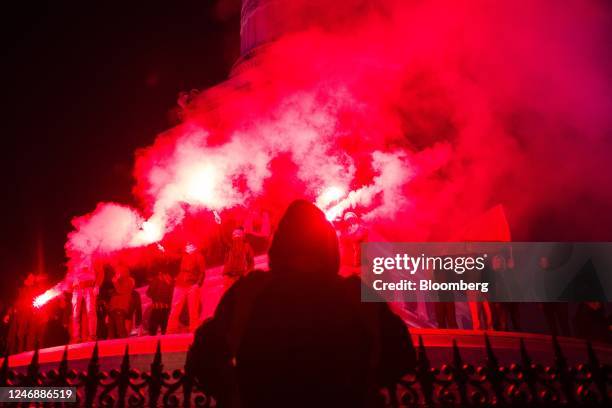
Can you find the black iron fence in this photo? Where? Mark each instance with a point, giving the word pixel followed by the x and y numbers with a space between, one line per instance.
pixel 524 383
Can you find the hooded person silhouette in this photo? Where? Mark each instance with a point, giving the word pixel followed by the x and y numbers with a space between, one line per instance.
pixel 299 335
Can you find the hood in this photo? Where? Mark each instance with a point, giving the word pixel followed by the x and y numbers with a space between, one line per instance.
pixel 305 243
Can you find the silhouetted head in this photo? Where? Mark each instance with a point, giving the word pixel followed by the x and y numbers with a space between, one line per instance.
pixel 498 263
pixel 304 243
pixel 544 262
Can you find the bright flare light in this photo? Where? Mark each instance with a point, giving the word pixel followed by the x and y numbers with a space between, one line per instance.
pixel 328 199
pixel 43 299
pixel 152 232
pixel 333 213
pixel 201 185
pixel 329 195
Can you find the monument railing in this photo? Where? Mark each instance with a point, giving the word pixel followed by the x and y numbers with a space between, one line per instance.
pixel 523 383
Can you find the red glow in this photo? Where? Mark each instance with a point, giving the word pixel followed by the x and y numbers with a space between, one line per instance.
pixel 43 299
pixel 419 118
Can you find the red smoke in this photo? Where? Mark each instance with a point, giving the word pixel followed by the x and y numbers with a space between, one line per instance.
pixel 419 115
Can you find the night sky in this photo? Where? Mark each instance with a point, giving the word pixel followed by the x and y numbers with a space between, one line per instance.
pixel 83 88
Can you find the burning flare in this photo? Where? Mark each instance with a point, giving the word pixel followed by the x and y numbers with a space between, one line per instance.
pixel 43 299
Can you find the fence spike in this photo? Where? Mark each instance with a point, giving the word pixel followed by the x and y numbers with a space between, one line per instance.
pixel 125 363
pixel 526 360
pixel 560 359
pixel 494 374
pixel 530 375
pixel 424 374
pixel 33 372
pixel 491 357
pixel 157 359
pixel 460 376
pixel 93 377
pixel 457 360
pixel 124 377
pixel 422 359
pixel 156 377
pixel 62 370
pixel 593 360
pixel 565 379
pixel 95 358
pixel 599 373
pixel 34 361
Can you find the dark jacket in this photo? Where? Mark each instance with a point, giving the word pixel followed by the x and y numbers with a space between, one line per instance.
pixel 122 295
pixel 160 291
pixel 239 260
pixel 299 334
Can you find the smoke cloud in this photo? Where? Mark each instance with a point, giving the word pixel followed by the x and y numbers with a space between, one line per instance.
pixel 418 115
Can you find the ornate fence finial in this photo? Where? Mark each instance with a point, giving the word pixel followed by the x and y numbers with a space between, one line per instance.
pixel 424 374
pixel 560 359
pixel 62 370
pixel 457 359
pixel 33 373
pixel 491 357
pixel 156 378
pixel 94 361
pixel 123 380
pixel 460 375
pixel 530 374
pixel 593 360
pixel 599 374
pixel 422 359
pixel 565 379
pixel 525 359
pixel 495 375
pixel 92 377
pixel 157 358
pixel 125 362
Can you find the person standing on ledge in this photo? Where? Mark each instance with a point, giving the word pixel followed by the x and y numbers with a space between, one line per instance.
pixel 239 259
pixel 85 282
pixel 123 285
pixel 160 291
pixel 187 289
